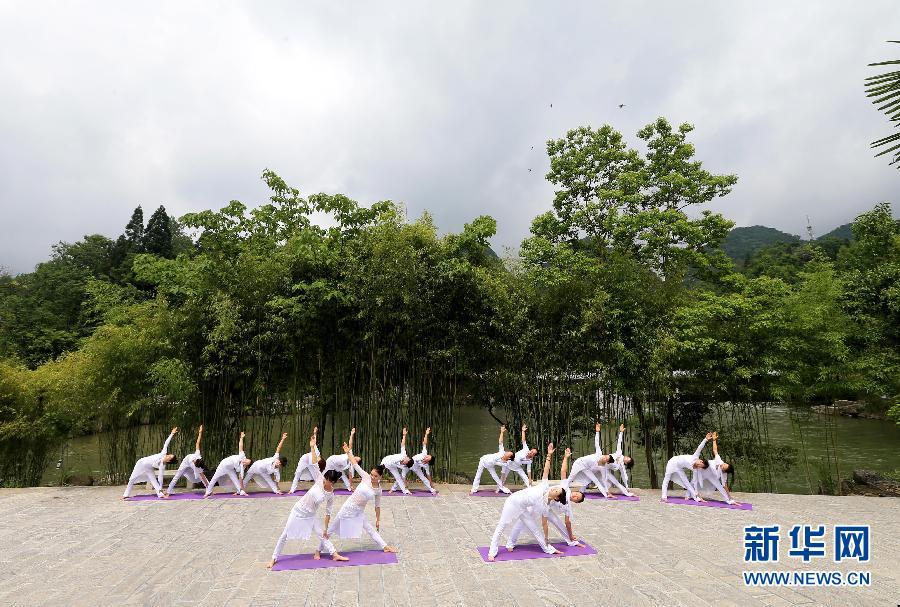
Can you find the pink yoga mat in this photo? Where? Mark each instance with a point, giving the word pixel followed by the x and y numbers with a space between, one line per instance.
pixel 533 551
pixel 488 493
pixel 294 562
pixel 709 503
pixel 611 498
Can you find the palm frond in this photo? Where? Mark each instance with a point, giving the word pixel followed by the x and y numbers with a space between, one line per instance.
pixel 884 89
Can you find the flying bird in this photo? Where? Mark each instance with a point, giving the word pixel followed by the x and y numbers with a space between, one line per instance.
pixel 551 105
pixel 621 105
pixel 529 170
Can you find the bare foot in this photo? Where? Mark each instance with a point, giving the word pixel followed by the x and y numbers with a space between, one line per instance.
pixel 390 549
pixel 317 555
pixel 490 558
pixel 509 548
pixel 271 564
pixel 339 557
pixel 164 496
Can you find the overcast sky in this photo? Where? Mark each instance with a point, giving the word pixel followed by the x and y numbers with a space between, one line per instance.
pixel 104 106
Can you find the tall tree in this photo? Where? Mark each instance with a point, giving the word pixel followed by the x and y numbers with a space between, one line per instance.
pixel 157 238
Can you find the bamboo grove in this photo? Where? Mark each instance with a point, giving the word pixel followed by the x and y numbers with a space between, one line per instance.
pixel 621 306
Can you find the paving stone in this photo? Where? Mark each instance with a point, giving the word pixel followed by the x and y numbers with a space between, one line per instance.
pixel 84 546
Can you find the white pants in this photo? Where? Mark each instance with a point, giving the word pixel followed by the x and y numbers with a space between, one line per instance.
pixel 420 473
pixel 677 476
pixel 367 527
pixel 398 478
pixel 137 476
pixel 554 520
pixel 301 474
pixel 521 473
pixel 585 477
pixel 232 476
pixel 325 544
pixel 189 476
pixel 492 469
pixel 526 518
pixel 265 481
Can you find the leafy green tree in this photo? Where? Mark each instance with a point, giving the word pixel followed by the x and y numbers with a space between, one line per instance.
pixel 884 90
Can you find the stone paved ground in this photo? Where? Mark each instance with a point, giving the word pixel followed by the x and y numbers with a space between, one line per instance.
pixel 84 546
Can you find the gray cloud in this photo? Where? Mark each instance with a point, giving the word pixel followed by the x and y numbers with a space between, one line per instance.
pixel 435 106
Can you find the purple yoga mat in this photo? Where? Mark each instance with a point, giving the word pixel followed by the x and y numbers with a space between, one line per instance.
pixel 533 551
pixel 709 503
pixel 488 493
pixel 611 498
pixel 150 497
pixel 294 562
pixel 413 493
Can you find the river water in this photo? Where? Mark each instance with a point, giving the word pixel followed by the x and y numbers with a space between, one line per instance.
pixel 859 443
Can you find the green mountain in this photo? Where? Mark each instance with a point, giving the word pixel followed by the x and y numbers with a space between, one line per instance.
pixel 742 242
pixel 843 232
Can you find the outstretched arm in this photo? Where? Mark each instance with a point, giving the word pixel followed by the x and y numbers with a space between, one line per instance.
pixel 619 442
pixel 403 443
pixel 547 462
pixel 165 448
pixel 524 442
pixel 241 443
pixel 715 438
pixel 500 440
pixel 363 475
pixel 425 441
pixel 564 471
pixel 597 449
pixel 281 442
pixel 199 436
pixel 350 442
pixel 702 444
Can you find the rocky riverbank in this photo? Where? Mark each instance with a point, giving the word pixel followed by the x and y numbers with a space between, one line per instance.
pixel 867 482
pixel 848 408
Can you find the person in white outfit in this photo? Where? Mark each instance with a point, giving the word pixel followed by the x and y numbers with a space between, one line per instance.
pixel 397 463
pixel 491 462
pixel 676 466
pixel 343 464
pixel 714 475
pixel 266 472
pixel 526 506
pixel 302 521
pixel 592 468
pixel 421 465
pixel 307 467
pixel 192 467
pixel 521 462
pixel 351 520
pixel 232 468
pixel 151 469
pixel 556 510
pixel 623 463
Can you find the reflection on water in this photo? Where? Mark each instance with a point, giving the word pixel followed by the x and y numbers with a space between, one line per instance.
pixel 860 443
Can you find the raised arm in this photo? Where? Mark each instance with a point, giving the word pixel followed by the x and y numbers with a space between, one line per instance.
pixel 281 442
pixel 425 441
pixel 403 443
pixel 363 475
pixel 524 442
pixel 165 448
pixel 702 444
pixel 241 443
pixel 350 442
pixel 199 436
pixel 715 438
pixel 500 440
pixel 564 470
pixel 597 449
pixel 619 441
pixel 546 476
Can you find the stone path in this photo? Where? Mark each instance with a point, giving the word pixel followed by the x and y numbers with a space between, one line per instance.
pixel 84 546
